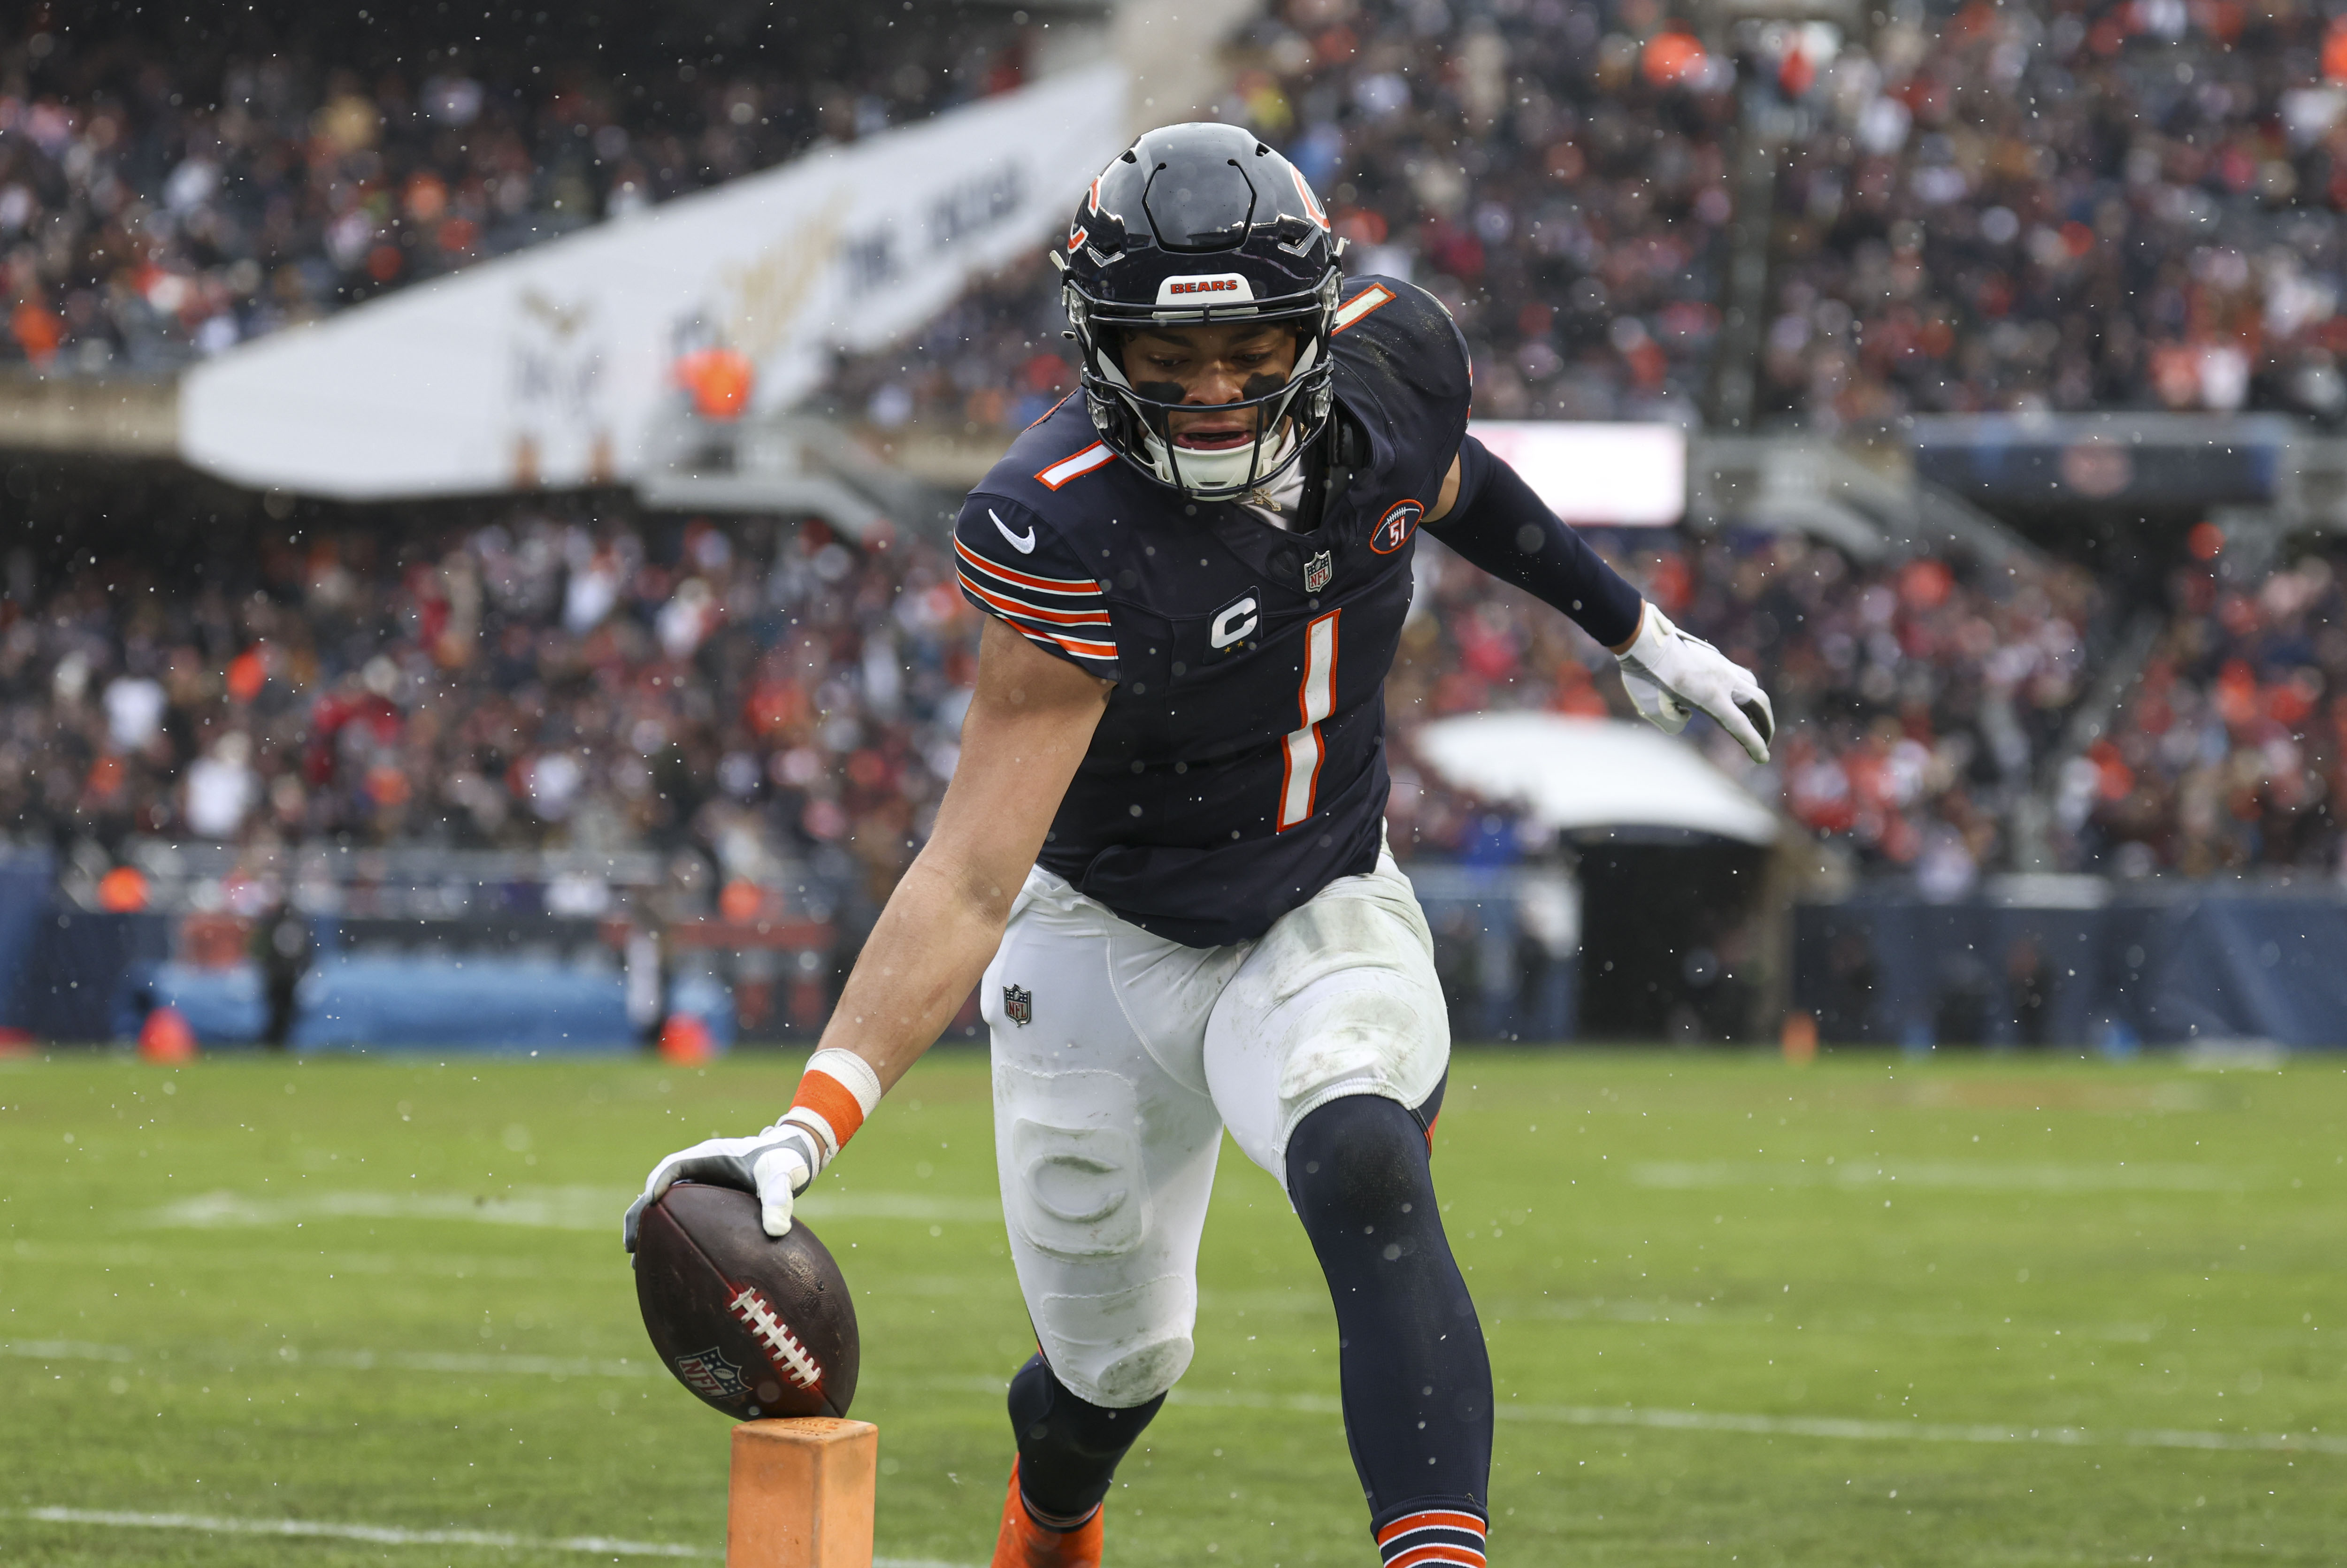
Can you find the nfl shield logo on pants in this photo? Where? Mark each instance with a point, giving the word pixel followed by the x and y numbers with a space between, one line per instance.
pixel 1019 1004
pixel 1318 571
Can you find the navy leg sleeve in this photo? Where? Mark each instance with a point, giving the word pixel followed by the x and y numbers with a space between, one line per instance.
pixel 1416 1380
pixel 1498 523
pixel 1068 1448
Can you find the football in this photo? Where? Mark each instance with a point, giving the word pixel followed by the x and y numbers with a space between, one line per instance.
pixel 754 1325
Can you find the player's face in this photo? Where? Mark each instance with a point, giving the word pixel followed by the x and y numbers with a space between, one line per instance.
pixel 1202 367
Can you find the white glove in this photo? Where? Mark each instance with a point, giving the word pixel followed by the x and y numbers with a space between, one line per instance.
pixel 777 1165
pixel 1669 675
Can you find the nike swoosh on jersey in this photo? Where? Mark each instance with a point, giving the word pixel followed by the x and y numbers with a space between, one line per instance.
pixel 1025 547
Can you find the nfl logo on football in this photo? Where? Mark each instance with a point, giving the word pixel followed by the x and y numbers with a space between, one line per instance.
pixel 711 1376
pixel 1318 571
pixel 1019 1004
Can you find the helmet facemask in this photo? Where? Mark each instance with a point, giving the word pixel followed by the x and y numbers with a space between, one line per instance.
pixel 1138 421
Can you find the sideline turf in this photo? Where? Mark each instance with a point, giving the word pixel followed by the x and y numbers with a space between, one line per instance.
pixel 2000 1243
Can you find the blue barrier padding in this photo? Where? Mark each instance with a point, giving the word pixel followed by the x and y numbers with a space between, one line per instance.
pixel 708 999
pixel 2270 969
pixel 2168 966
pixel 496 1004
pixel 222 1007
pixel 81 969
pixel 26 878
pixel 486 1004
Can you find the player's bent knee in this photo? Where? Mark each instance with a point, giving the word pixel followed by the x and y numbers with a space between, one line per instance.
pixel 1121 1349
pixel 1118 1378
pixel 1360 1161
pixel 1374 1034
pixel 1141 1375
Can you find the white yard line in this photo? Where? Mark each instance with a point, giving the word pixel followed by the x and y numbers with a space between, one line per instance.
pixel 1920 1431
pixel 1826 1427
pixel 65 1350
pixel 477 1364
pixel 377 1534
pixel 387 1535
pixel 1954 1176
pixel 588 1209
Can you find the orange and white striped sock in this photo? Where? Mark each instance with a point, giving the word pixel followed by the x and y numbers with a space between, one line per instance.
pixel 1443 1536
pixel 836 1092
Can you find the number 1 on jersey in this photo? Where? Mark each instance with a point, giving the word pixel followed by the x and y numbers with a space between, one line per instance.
pixel 1316 699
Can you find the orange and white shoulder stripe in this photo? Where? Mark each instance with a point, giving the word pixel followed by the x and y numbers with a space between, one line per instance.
pixel 1081 647
pixel 1012 577
pixel 1360 305
pixel 1075 466
pixel 1028 609
pixel 1048 601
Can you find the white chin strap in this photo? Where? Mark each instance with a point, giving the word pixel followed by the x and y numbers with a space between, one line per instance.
pixel 1220 470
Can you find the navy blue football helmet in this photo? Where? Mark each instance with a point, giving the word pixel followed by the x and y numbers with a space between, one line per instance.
pixel 1196 225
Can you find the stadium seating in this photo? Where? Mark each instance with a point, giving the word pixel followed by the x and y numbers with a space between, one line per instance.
pixel 2230 751
pixel 773 697
pixel 176 185
pixel 1986 208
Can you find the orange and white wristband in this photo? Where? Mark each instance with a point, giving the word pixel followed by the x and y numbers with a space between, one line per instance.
pixel 837 1092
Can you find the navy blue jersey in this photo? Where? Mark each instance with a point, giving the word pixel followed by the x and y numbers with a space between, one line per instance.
pixel 1240 766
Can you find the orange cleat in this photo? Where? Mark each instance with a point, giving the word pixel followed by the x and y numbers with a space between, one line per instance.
pixel 1024 1544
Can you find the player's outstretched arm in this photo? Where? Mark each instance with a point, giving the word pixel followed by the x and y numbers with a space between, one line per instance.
pixel 1487 514
pixel 1029 724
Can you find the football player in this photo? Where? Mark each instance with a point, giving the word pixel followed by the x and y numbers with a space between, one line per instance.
pixel 1164 846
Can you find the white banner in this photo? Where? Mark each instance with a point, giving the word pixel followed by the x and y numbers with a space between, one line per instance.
pixel 547 367
pixel 1608 475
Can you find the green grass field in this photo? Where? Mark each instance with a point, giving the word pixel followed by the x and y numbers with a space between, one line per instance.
pixel 1987 1311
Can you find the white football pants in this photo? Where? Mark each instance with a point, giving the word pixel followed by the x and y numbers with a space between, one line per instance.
pixel 1111 1100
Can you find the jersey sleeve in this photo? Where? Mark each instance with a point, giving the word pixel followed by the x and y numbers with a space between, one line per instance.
pixel 1410 357
pixel 1017 568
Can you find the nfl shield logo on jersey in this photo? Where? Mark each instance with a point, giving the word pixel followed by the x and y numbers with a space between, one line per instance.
pixel 1318 571
pixel 1019 1004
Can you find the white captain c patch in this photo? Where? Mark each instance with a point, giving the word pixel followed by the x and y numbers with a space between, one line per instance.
pixel 1235 623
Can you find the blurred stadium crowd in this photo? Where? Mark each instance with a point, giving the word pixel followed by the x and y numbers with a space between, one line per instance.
pixel 772 697
pixel 163 196
pixel 2232 749
pixel 1984 207
pixel 533 681
pixel 2056 206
